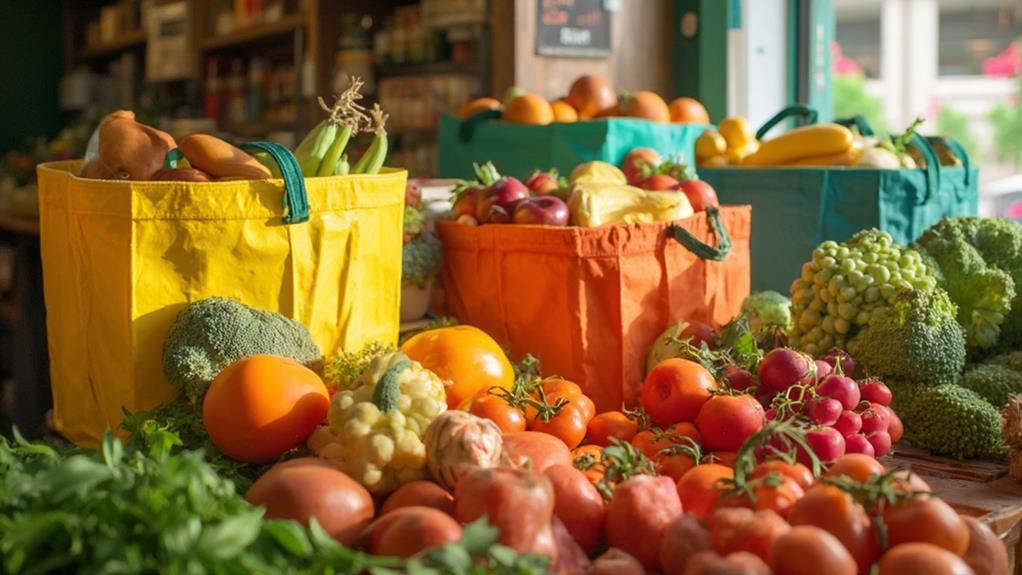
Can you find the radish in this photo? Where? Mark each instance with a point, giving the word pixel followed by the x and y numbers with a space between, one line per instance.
pixel 783 368
pixel 639 164
pixel 771 414
pixel 875 419
pixel 848 423
pixel 826 442
pixel 841 388
pixel 881 442
pixel 739 378
pixel 857 443
pixel 875 391
pixel 658 183
pixel 825 411
pixel 896 428
pixel 847 363
pixel 823 369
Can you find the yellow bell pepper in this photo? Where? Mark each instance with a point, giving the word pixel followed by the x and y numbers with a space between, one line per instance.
pixel 597 173
pixel 737 132
pixel 815 140
pixel 594 205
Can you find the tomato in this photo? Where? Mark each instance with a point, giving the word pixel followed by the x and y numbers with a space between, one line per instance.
pixel 834 511
pixel 683 538
pixel 409 530
pixel 570 558
pixel 307 487
pixel 740 563
pixel 675 390
pixel 568 424
pixel 738 529
pixel 856 466
pixel 578 505
pixel 802 475
pixel 700 487
pixel 638 515
pixel 610 424
pixel 927 520
pixel 652 442
pixel 543 450
pixel 259 407
pixel 807 550
pixel 586 458
pixel 923 559
pixel 497 410
pixel 674 465
pixel 725 458
pixel 639 163
pixel 726 421
pixel 616 562
pixel 778 493
pixel 520 504
pixel 986 553
pixel 700 194
pixel 556 387
pixel 420 493
pixel 467 359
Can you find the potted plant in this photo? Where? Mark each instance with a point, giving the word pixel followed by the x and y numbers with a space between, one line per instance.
pixel 421 258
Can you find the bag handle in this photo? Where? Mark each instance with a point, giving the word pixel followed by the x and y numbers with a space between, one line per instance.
pixel 932 168
pixel 956 147
pixel 803 111
pixel 468 126
pixel 696 246
pixel 296 197
pixel 860 122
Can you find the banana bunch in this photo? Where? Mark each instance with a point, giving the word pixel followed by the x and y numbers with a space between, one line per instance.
pixel 321 152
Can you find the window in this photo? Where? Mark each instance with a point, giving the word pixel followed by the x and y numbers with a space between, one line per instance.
pixel 857 32
pixel 973 34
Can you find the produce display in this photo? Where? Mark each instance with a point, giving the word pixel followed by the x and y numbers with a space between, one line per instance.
pixel 588 98
pixel 130 150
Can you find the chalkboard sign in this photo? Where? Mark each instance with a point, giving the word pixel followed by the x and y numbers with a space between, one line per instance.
pixel 573 28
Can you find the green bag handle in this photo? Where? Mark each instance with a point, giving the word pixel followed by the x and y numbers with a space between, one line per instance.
pixel 803 111
pixel 296 197
pixel 172 158
pixel 959 151
pixel 932 168
pixel 468 126
pixel 860 122
pixel 696 246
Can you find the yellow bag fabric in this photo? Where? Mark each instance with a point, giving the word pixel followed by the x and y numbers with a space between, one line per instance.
pixel 120 260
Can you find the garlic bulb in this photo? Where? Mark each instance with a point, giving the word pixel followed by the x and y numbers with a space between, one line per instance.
pixel 457 443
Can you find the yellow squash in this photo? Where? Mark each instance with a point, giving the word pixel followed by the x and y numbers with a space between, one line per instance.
pixel 594 205
pixel 817 140
pixel 849 157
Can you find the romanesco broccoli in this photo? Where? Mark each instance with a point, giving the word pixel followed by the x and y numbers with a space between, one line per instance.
pixel 980 265
pixel 996 383
pixel 948 420
pixel 421 259
pixel 210 334
pixel 1011 360
pixel 915 340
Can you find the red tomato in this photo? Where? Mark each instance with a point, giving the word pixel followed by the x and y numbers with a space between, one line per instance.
pixel 616 562
pixel 675 390
pixel 927 520
pixel 586 458
pixel 638 515
pixel 834 511
pixel 778 493
pixel 856 466
pixel 652 442
pixel 986 553
pixel 578 505
pixel 639 163
pixel 725 458
pixel 738 529
pixel 674 465
pixel 610 424
pixel 922 559
pixel 802 475
pixel 709 563
pixel 542 449
pixel 700 488
pixel 409 530
pixel 700 194
pixel 807 550
pixel 726 421
pixel 568 424
pixel 520 504
pixel 683 538
pixel 497 410
pixel 420 493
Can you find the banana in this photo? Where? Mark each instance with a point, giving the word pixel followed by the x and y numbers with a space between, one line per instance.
pixel 373 158
pixel 333 155
pixel 314 147
pixel 342 168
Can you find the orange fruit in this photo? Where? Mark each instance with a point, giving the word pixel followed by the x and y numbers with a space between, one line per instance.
pixel 473 107
pixel 528 109
pixel 688 111
pixel 563 112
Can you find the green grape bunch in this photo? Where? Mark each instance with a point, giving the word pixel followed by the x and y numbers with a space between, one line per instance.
pixel 846 285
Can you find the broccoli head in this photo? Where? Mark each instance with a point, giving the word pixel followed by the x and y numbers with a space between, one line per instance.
pixel 767 308
pixel 210 334
pixel 915 340
pixel 996 383
pixel 948 420
pixel 980 265
pixel 421 259
pixel 1012 360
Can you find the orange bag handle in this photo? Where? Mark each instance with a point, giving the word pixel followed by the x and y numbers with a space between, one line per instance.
pixel 697 247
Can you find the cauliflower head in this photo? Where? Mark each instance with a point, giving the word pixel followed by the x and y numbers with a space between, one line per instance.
pixel 374 432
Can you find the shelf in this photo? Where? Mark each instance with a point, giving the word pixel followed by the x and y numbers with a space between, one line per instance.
pixel 395 70
pixel 126 41
pixel 253 33
pixel 253 129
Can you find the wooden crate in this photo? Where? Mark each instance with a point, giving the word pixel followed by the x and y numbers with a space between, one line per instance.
pixel 978 488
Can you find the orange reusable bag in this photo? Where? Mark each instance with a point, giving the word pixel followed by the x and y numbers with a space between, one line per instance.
pixel 589 302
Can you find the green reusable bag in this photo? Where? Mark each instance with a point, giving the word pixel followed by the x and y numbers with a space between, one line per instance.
pixel 794 209
pixel 518 150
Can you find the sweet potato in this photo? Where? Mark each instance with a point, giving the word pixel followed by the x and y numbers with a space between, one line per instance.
pixel 220 159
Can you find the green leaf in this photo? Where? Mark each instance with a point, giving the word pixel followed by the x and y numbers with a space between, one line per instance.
pixel 320 538
pixel 183 537
pixel 230 537
pixel 79 474
pixel 478 536
pixel 113 451
pixel 291 536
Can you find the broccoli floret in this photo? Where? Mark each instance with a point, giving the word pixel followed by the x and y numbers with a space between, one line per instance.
pixel 996 383
pixel 210 334
pixel 915 340
pixel 980 265
pixel 421 259
pixel 767 308
pixel 948 420
pixel 1012 360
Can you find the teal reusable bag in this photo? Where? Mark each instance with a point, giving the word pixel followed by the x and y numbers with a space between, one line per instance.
pixel 794 209
pixel 519 150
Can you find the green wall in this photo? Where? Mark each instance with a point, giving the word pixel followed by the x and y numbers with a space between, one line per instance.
pixel 31 63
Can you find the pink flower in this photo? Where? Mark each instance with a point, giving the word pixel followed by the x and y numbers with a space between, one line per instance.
pixel 1007 64
pixel 841 65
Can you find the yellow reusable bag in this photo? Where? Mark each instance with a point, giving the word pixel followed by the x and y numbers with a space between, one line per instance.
pixel 121 258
